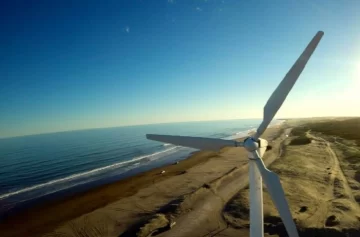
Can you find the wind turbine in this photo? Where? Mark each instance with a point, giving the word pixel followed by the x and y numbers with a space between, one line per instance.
pixel 256 148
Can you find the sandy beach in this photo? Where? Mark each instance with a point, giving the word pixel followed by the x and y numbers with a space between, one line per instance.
pixel 114 208
pixel 207 194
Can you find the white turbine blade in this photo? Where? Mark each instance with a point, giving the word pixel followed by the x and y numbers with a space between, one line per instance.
pixel 279 95
pixel 201 143
pixel 277 195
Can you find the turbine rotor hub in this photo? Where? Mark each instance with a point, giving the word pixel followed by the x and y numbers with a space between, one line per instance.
pixel 251 145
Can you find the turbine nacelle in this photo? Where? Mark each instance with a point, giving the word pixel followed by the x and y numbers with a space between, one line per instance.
pixel 251 145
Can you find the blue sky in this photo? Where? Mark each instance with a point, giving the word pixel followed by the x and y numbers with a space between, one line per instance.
pixel 68 65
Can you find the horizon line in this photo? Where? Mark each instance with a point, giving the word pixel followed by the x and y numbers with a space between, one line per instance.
pixel 135 125
pixel 120 126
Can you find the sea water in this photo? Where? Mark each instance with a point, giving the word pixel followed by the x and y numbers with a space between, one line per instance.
pixel 39 165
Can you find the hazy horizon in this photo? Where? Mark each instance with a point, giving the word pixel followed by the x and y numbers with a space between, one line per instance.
pixel 79 66
pixel 130 125
pixel 175 122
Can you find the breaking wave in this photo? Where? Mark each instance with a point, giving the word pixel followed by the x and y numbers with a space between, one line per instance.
pixel 136 161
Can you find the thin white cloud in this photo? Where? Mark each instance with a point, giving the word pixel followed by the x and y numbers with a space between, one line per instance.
pixel 171 1
pixel 127 29
pixel 198 9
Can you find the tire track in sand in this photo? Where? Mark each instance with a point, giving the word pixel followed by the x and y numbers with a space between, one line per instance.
pixel 337 181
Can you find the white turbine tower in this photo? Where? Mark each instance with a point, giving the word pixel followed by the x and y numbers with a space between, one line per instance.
pixel 256 148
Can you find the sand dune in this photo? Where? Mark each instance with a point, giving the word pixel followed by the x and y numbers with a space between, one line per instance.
pixel 320 186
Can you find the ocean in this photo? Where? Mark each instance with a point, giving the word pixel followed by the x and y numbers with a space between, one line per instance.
pixel 46 165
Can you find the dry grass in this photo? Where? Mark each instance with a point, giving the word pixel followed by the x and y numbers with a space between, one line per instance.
pixel 345 138
pixel 159 221
pixel 300 140
pixel 320 181
pixel 348 129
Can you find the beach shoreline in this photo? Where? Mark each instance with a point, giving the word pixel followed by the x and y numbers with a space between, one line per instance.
pixel 53 213
pixel 129 186
pixel 95 165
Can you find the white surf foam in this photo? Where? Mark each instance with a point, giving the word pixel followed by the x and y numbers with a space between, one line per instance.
pixel 155 154
pixel 87 173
